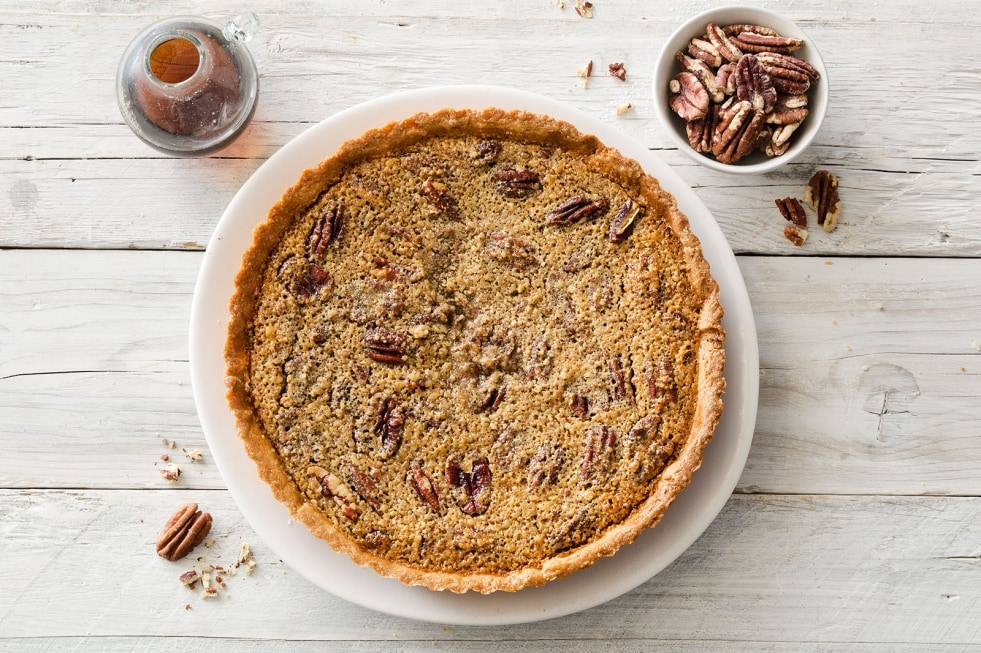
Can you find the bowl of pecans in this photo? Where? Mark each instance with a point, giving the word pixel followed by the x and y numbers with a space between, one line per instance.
pixel 740 89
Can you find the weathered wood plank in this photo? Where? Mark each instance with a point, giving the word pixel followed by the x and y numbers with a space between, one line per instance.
pixel 907 177
pixel 767 572
pixel 870 372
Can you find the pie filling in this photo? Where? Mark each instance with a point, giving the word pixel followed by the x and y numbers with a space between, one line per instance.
pixel 476 350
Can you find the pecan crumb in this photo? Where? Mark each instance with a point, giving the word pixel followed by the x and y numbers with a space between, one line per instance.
pixel 795 234
pixel 584 8
pixel 618 70
pixel 624 108
pixel 171 472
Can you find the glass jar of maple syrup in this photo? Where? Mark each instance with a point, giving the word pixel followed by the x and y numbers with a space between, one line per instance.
pixel 187 86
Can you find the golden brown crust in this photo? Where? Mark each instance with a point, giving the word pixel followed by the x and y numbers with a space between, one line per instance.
pixel 489 124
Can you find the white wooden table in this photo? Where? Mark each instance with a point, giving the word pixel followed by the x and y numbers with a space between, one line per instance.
pixel 856 525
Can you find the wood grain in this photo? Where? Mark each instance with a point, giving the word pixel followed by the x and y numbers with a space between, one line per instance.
pixel 856 524
pixel 910 580
pixel 867 370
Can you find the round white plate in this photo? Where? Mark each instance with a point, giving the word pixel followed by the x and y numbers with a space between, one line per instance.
pixel 683 523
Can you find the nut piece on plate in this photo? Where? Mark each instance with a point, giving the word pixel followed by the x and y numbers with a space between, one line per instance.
pixel 184 530
pixel 821 195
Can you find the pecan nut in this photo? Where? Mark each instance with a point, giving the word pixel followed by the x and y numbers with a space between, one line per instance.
pixel 472 490
pixel 789 74
pixel 575 209
pixel 598 449
pixel 327 229
pixel 689 98
pixel 795 234
pixel 788 110
pixel 425 489
pixel 754 85
pixel 311 281
pixel 821 194
pixel 364 484
pixel 545 467
pixel 701 132
pixel 332 487
pixel 388 427
pixel 737 132
pixel 520 253
pixel 755 42
pixel 186 529
pixel 516 183
pixel 726 47
pixel 486 152
pixel 704 50
pixel 779 139
pixel 385 346
pixel 705 75
pixel 791 209
pixel 623 222
pixel 439 196
pixel 741 63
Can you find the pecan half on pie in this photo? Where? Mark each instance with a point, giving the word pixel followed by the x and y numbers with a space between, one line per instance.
pixel 476 350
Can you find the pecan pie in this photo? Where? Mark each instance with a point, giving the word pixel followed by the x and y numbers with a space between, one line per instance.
pixel 476 350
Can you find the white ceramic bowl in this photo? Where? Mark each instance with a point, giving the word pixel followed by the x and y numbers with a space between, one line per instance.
pixel 667 67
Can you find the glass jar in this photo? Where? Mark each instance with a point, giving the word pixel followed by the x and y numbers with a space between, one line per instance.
pixel 187 86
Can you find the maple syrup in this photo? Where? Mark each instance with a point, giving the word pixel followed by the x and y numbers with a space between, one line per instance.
pixel 175 60
pixel 187 86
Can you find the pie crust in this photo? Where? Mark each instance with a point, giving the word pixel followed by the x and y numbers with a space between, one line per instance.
pixel 476 350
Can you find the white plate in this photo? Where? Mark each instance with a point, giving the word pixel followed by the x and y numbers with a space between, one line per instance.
pixel 683 523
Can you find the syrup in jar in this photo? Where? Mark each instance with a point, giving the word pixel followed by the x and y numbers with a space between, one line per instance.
pixel 189 87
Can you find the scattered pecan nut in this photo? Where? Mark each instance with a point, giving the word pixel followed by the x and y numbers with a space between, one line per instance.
pixel 546 465
pixel 311 281
pixel 186 529
pixel 364 484
pixel 795 234
pixel 791 209
pixel 519 253
pixel 617 70
pixel 821 194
